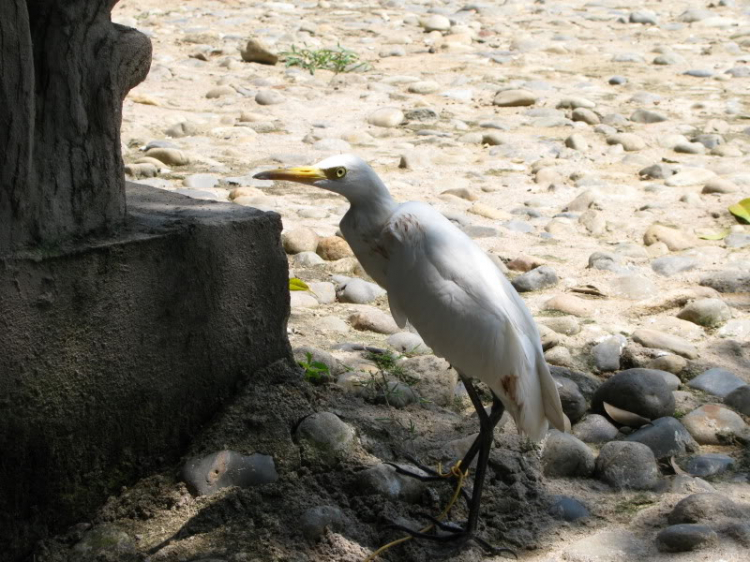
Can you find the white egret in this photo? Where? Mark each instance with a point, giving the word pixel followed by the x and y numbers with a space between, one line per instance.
pixel 447 288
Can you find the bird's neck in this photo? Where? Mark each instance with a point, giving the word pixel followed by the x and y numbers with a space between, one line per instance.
pixel 368 215
pixel 375 202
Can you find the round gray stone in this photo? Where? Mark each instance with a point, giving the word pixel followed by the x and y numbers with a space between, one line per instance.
pixel 324 439
pixel 299 240
pixel 424 87
pixel 397 394
pixel 595 429
pixel 169 156
pixel 668 59
pixel 658 171
pixel 535 280
pixel 627 465
pixel 694 15
pixel 374 320
pixel 408 342
pixel 184 129
pixel 573 402
pixel 685 484
pixel 335 367
pixel 719 382
pixel 666 437
pixel 644 17
pixel 587 384
pixel 704 508
pixel 689 148
pixel 435 22
pixel 359 291
pixel 641 391
pixel 699 73
pixel 607 353
pixel 605 261
pixel 661 340
pixel 269 97
pixel 733 281
pixel 568 509
pixel 436 379
pixel 585 115
pixel 566 455
pixel 514 98
pixel 209 474
pixel 709 140
pixel 706 312
pixel 684 538
pixel 710 464
pixel 668 266
pixel 647 116
pixel 713 424
pixel 383 479
pixel 630 142
pixel 739 400
pixel 387 117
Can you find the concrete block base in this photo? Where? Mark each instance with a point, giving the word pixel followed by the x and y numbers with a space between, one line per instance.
pixel 114 352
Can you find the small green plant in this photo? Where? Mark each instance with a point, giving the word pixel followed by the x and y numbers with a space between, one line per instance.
pixel 389 363
pixel 378 386
pixel 315 371
pixel 337 60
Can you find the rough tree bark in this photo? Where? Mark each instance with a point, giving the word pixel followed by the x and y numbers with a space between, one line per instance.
pixel 16 121
pixel 66 69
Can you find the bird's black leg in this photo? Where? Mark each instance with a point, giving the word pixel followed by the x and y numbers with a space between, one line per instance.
pixel 481 446
pixel 484 420
pixel 493 419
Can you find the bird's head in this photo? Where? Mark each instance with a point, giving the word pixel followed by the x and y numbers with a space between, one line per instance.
pixel 345 174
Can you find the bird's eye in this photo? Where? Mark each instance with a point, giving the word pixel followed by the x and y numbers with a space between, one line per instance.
pixel 340 172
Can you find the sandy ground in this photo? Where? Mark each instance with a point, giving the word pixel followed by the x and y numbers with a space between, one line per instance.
pixel 559 51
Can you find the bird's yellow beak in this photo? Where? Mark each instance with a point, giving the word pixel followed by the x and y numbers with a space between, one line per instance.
pixel 302 174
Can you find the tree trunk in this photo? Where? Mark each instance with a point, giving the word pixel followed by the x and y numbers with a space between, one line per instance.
pixel 16 123
pixel 62 171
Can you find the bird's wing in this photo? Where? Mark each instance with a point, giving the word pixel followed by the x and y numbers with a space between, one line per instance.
pixel 467 312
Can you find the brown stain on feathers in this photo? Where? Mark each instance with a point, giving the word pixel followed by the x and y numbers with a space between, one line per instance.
pixel 510 386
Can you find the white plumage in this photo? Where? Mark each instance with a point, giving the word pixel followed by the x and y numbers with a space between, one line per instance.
pixel 445 286
pixel 467 312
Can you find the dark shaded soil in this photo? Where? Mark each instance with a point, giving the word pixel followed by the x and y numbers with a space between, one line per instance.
pixel 262 524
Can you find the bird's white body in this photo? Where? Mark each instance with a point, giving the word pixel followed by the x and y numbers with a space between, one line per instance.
pixel 465 309
pixel 450 291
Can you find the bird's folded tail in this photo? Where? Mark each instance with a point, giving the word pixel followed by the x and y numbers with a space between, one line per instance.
pixel 527 388
pixel 550 396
